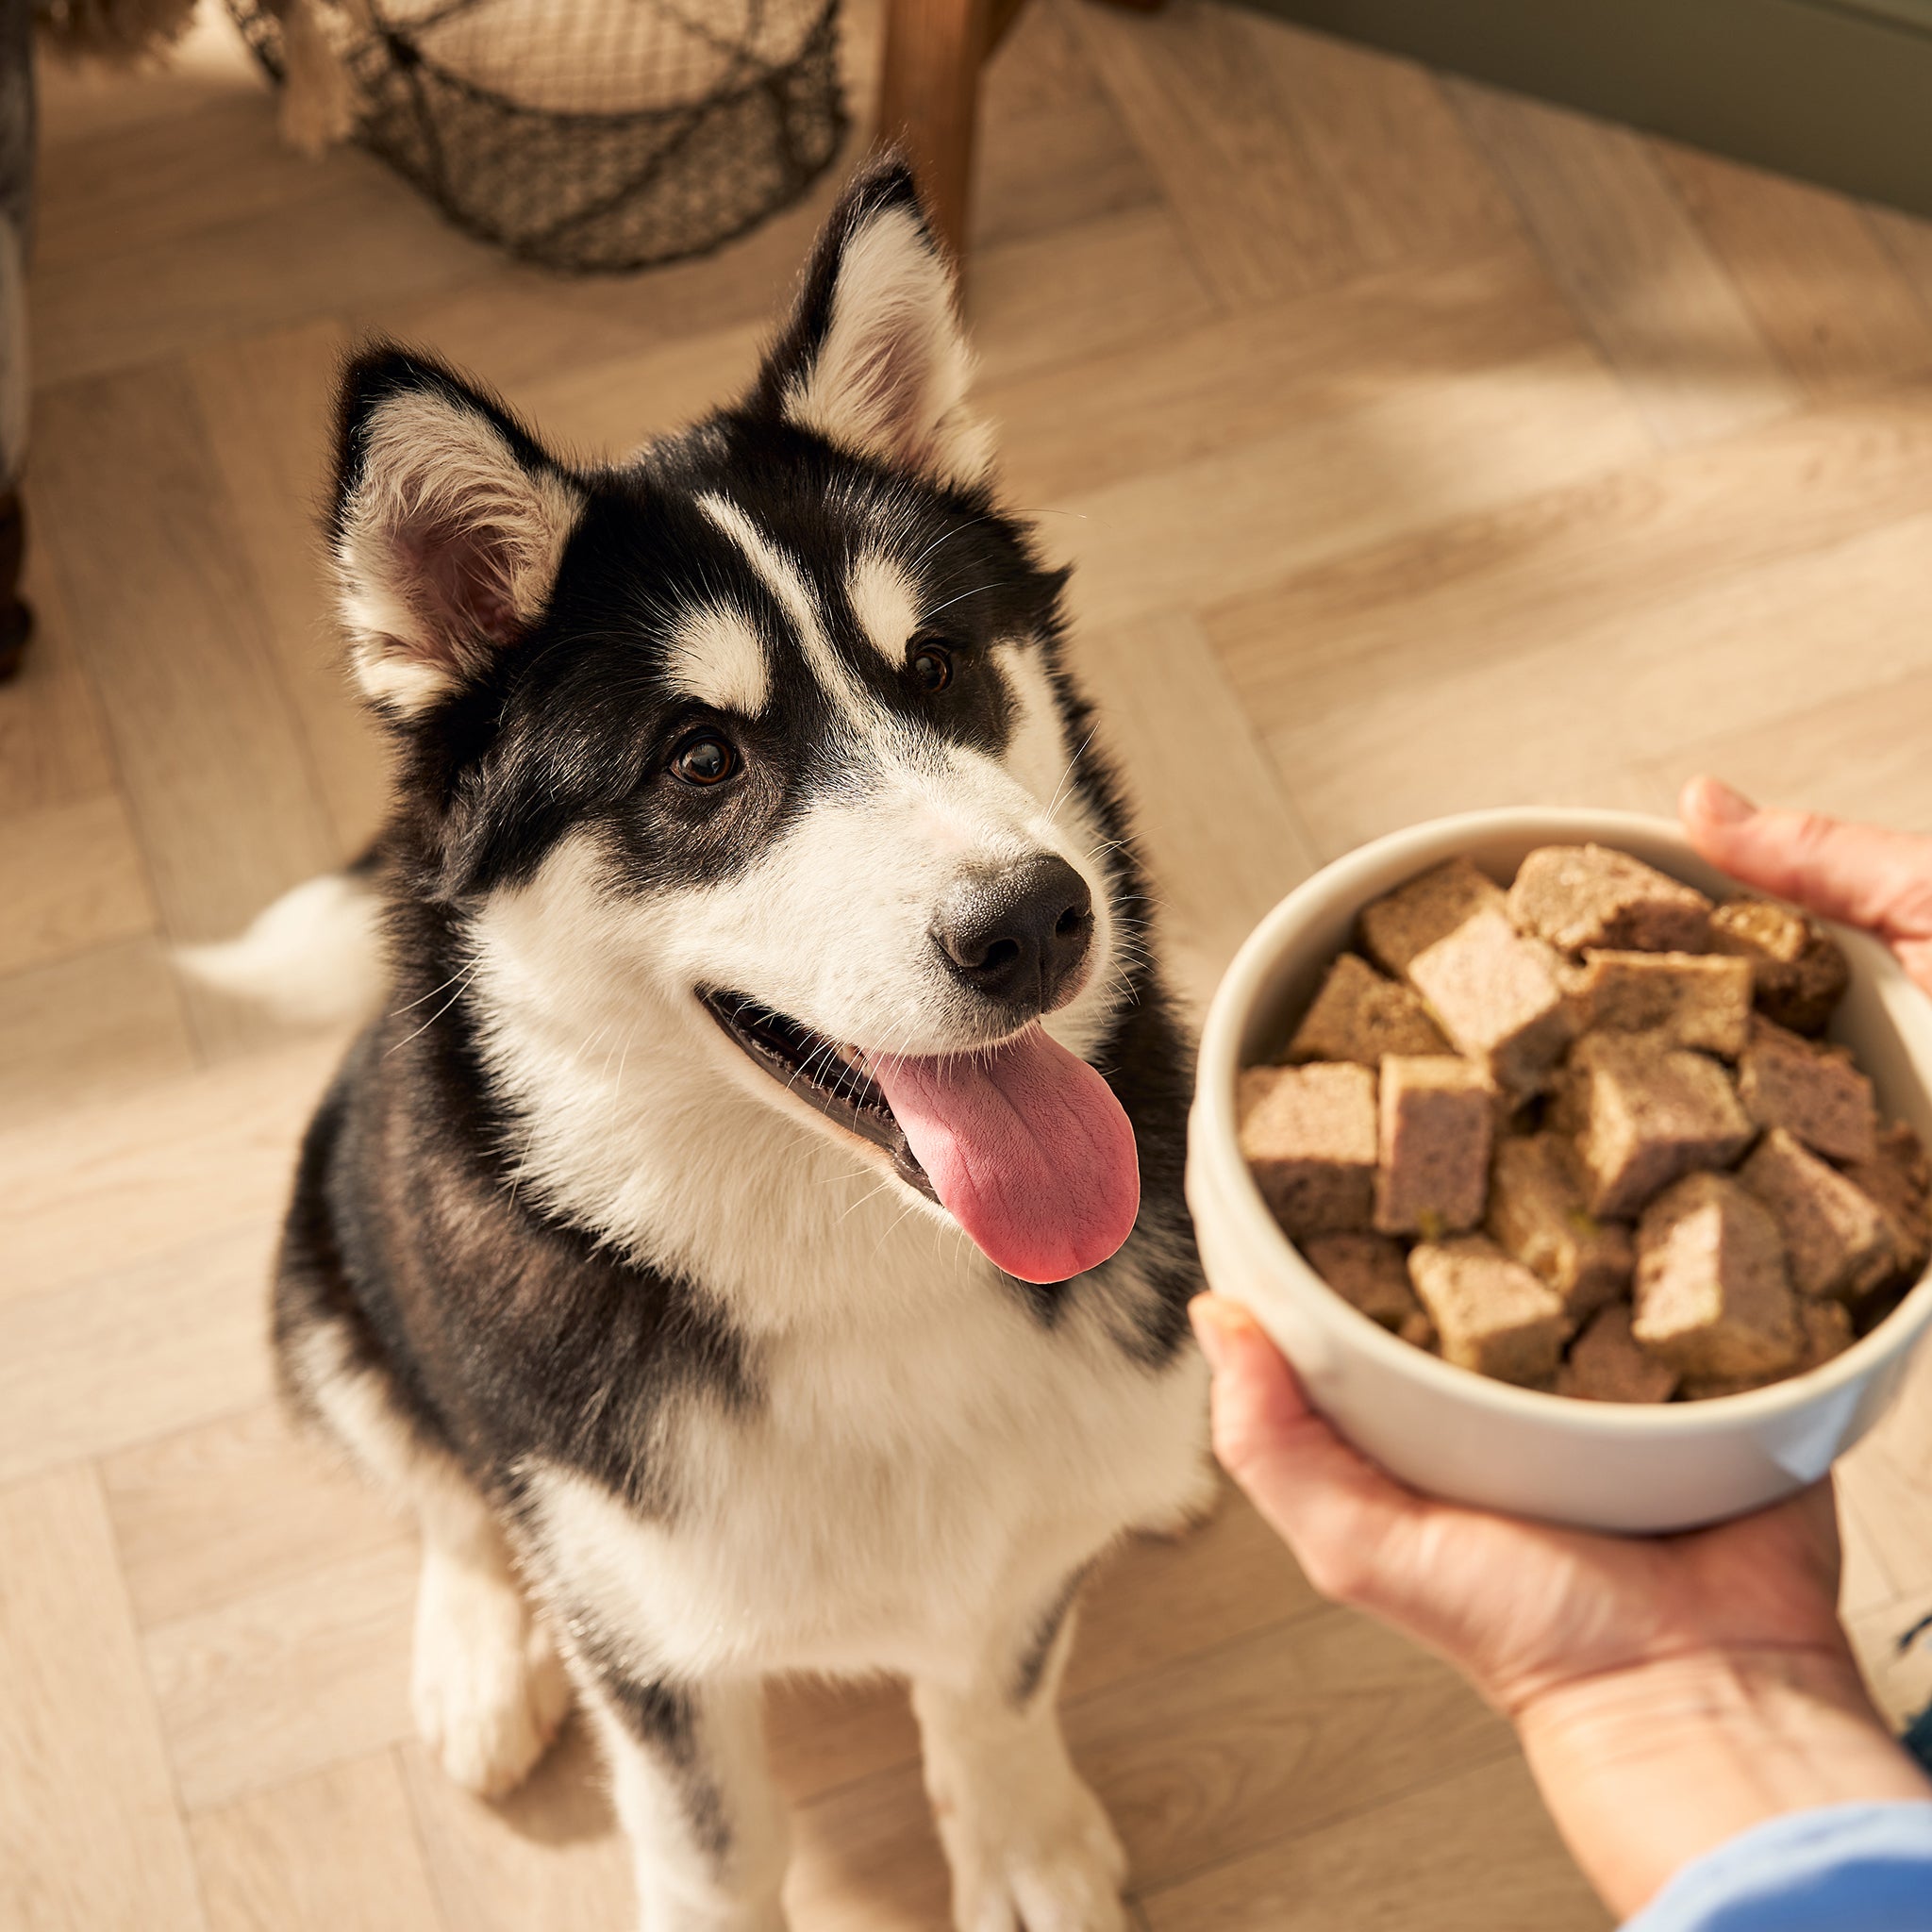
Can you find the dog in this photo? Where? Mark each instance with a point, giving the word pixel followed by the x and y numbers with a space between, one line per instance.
pixel 752 1238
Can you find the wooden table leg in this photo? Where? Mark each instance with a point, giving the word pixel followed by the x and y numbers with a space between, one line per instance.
pixel 929 98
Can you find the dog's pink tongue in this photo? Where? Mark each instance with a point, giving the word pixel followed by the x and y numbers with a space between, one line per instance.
pixel 1029 1149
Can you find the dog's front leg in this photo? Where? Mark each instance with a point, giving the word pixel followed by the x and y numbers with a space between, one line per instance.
pixel 1030 1847
pixel 706 1830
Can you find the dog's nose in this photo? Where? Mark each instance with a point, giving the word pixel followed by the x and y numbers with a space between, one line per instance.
pixel 1020 936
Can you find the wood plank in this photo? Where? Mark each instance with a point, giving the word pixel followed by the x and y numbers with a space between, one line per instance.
pixel 177 640
pixel 1312 1721
pixel 247 1502
pixel 268 405
pixel 1474 1853
pixel 1898 1674
pixel 1480 589
pixel 53 747
pixel 330 1853
pixel 113 1183
pixel 96 1024
pixel 1641 279
pixel 285 1681
pixel 1172 724
pixel 1420 455
pixel 88 1837
pixel 550 1854
pixel 1817 281
pixel 1250 197
pixel 157 1347
pixel 71 878
pixel 1175 396
pixel 1602 711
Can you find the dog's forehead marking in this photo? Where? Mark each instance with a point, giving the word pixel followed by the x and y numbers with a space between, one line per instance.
pixel 886 602
pixel 717 657
pixel 782 576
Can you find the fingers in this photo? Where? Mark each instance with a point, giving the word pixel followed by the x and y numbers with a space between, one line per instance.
pixel 1861 874
pixel 1333 1508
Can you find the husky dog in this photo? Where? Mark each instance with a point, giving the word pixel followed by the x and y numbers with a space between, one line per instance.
pixel 753 1240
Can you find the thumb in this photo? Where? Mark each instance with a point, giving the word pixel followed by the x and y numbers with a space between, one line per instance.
pixel 1862 875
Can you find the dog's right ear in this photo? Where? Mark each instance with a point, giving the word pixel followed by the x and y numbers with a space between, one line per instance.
pixel 448 525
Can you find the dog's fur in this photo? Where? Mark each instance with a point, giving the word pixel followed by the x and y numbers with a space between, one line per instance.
pixel 687 1385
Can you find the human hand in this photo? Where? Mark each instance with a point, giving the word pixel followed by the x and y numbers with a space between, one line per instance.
pixel 1669 1692
pixel 1861 875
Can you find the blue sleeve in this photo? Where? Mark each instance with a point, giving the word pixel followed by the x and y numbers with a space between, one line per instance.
pixel 1847 1868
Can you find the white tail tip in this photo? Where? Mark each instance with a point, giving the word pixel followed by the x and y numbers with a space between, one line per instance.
pixel 314 957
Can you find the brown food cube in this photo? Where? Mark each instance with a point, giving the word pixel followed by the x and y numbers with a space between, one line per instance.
pixel 1492 1314
pixel 1814 1091
pixel 1496 996
pixel 1824 1330
pixel 1644 1114
pixel 1367 1270
pixel 1308 1133
pixel 1712 1297
pixel 1537 1213
pixel 1835 1235
pixel 1605 1364
pixel 1588 896
pixel 1359 1016
pixel 1420 1332
pixel 1699 1000
pixel 1414 917
pixel 1798 972
pixel 1895 1181
pixel 1438 1117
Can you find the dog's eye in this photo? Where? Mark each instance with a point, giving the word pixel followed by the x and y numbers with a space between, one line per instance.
pixel 931 663
pixel 704 759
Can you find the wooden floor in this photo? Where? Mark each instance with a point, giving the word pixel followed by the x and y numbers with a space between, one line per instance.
pixel 1420 448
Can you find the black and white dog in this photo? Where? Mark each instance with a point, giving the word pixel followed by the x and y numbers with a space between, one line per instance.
pixel 753 1241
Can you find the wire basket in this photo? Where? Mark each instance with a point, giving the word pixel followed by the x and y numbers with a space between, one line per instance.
pixel 590 135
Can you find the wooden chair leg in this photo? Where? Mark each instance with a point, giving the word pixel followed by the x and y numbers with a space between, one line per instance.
pixel 929 99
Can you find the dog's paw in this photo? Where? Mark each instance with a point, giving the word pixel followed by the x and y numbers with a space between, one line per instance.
pixel 489 1691
pixel 1056 1869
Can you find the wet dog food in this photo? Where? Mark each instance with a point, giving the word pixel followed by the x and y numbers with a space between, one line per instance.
pixel 1579 1132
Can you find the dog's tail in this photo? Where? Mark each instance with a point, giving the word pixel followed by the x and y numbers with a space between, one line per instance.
pixel 313 959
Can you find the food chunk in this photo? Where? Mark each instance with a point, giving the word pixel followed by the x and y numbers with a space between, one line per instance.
pixel 1496 996
pixel 1537 1213
pixel 1644 1114
pixel 1811 1091
pixel 1825 1331
pixel 1798 971
pixel 1604 1364
pixel 1582 897
pixel 1308 1133
pixel 1896 1180
pixel 1414 917
pixel 1835 1235
pixel 1371 1273
pixel 1438 1116
pixel 1359 1016
pixel 1712 1297
pixel 1701 1000
pixel 1492 1314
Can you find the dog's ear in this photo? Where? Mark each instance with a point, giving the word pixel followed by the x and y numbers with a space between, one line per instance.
pixel 873 358
pixel 448 525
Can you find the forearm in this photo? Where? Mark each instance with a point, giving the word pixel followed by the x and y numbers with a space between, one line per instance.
pixel 1648 1769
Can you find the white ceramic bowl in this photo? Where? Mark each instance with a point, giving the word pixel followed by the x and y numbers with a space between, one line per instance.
pixel 1598 1465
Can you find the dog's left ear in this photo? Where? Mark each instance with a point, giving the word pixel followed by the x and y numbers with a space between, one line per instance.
pixel 873 358
pixel 448 526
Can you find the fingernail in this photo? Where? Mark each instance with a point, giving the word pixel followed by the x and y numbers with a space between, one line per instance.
pixel 1724 804
pixel 1201 1313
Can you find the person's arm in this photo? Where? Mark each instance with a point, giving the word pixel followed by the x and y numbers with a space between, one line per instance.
pixel 1669 1693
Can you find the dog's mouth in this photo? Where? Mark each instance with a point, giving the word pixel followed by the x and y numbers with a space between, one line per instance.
pixel 1023 1143
pixel 825 1074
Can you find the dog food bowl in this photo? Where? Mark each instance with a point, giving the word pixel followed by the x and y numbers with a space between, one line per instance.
pixel 1639 1469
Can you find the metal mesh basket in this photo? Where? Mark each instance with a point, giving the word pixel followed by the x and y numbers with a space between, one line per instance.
pixel 590 134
